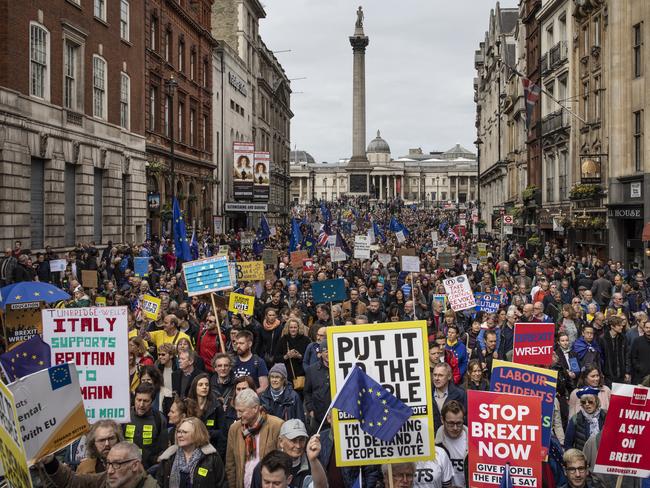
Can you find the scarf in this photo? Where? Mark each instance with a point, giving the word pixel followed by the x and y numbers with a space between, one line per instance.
pixel 271 326
pixel 275 394
pixel 249 434
pixel 182 465
pixel 592 419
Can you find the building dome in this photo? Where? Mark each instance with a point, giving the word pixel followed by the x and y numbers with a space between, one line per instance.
pixel 378 145
pixel 301 157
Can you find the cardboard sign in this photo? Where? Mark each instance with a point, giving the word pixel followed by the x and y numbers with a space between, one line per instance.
pixel 522 379
pixel 533 344
pixel 503 428
pixel 487 302
pixel 95 339
pixel 140 266
pixel 308 265
pixel 482 252
pixel 361 247
pixel 223 251
pixel 151 307
pixel 337 254
pixel 22 322
pixel 270 257
pixel 58 265
pixel 626 432
pixel 250 271
pixel 411 264
pixel 269 274
pixel 207 275
pixel 89 278
pixel 395 355
pixel 459 293
pixel 408 251
pixel 296 258
pixel 12 454
pixel 446 260
pixel 384 258
pixel 50 404
pixel 239 303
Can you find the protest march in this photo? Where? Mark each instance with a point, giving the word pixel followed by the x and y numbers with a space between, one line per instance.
pixel 362 345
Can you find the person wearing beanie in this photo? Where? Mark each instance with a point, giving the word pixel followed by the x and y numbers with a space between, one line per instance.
pixel 280 399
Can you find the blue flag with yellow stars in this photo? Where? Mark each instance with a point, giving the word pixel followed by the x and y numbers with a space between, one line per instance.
pixel 328 291
pixel 60 376
pixel 378 411
pixel 181 243
pixel 27 358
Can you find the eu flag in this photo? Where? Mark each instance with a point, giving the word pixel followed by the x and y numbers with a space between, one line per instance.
pixel 328 291
pixel 180 234
pixel 60 376
pixel 265 229
pixel 396 226
pixel 27 358
pixel 378 411
pixel 340 242
pixel 296 235
pixel 379 234
pixel 325 212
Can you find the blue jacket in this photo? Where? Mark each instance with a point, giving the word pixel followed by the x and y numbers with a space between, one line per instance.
pixel 287 406
pixel 481 338
pixel 311 355
pixel 460 351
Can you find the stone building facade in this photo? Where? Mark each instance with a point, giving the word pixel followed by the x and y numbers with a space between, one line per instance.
pixel 178 111
pixel 72 147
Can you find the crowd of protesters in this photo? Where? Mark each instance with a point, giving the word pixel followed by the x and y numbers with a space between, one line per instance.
pixel 247 414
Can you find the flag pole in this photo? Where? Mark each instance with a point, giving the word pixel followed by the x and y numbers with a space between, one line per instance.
pixel 390 475
pixel 216 316
pixel 329 408
pixel 413 296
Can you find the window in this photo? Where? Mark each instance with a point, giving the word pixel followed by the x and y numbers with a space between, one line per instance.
pixel 193 64
pixel 70 73
pixel 205 133
pixel 550 103
pixel 561 91
pixel 181 110
pixel 193 127
pixel 549 37
pixel 564 173
pixel 39 54
pixel 585 40
pixel 585 100
pixel 99 87
pixel 100 9
pixel 124 19
pixel 550 179
pixel 168 45
pixel 562 27
pixel 125 96
pixel 638 140
pixel 181 55
pixel 153 32
pixel 153 97
pixel 205 72
pixel 166 121
pixel 597 31
pixel 597 98
pixel 637 42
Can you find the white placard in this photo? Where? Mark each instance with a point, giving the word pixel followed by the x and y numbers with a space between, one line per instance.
pixel 58 265
pixel 400 236
pixel 459 293
pixel 384 258
pixel 218 224
pixel 411 264
pixel 337 254
pixel 434 238
pixel 331 240
pixel 96 340
pixel 361 247
pixel 371 235
pixel 272 231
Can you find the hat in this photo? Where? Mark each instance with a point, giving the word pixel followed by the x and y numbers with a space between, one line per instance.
pixel 280 369
pixel 293 428
pixel 587 390
pixel 323 345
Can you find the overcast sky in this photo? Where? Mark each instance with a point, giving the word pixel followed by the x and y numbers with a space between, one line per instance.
pixel 419 70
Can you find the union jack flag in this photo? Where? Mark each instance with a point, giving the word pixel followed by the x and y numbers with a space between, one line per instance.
pixel 322 237
pixel 531 95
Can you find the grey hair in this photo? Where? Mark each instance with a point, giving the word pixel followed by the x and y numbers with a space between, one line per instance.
pixel 247 398
pixel 385 467
pixel 132 451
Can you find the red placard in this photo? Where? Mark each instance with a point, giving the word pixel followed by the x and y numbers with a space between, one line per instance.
pixel 308 265
pixel 504 428
pixel 533 344
pixel 624 444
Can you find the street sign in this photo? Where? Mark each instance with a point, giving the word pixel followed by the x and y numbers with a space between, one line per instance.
pixel 508 220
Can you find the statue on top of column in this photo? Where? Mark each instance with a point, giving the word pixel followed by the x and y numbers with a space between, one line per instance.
pixel 359 22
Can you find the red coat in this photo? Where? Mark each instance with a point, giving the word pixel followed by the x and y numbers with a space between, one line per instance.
pixel 207 346
pixel 452 360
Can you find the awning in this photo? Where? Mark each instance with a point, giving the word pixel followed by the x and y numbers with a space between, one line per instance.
pixel 645 235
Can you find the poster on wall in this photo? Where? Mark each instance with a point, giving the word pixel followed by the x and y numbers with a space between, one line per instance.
pixel 242 175
pixel 261 176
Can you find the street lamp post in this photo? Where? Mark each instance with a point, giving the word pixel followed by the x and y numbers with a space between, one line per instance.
pixel 170 86
pixel 478 143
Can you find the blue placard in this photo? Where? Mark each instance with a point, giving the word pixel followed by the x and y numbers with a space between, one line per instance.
pixel 141 266
pixel 328 291
pixel 207 275
pixel 487 302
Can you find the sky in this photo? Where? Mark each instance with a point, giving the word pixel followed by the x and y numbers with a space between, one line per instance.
pixel 419 70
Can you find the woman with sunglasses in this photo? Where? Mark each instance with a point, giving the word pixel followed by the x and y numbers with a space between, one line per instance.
pixel 587 422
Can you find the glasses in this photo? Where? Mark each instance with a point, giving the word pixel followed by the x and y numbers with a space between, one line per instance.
pixel 457 425
pixel 580 469
pixel 117 464
pixel 587 402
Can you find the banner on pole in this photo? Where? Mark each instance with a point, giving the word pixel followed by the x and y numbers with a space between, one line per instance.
pixel 411 264
pixel 96 340
pixel 58 265
pixel 361 247
pixel 459 293
pixel 521 379
pixel 12 454
pixel 296 258
pixel 250 271
pixel 396 356
pixel 487 302
pixel 51 408
pixel 533 344
pixel 242 175
pixel 270 257
pixel 503 428
pixel 626 431
pixel 204 276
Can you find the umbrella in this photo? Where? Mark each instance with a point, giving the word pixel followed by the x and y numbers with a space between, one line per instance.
pixel 31 291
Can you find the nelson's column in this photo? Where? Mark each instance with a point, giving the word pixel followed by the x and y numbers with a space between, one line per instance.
pixel 358 168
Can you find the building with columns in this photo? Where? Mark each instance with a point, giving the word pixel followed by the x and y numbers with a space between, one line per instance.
pixel 448 176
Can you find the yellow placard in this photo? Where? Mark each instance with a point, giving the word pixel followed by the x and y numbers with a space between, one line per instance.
pixel 250 271
pixel 151 307
pixel 239 303
pixel 396 356
pixel 12 453
pixel 223 251
pixel 100 301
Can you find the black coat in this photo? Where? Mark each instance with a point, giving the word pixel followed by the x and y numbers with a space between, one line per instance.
pixel 176 381
pixel 209 472
pixel 317 390
pixel 640 359
pixel 453 393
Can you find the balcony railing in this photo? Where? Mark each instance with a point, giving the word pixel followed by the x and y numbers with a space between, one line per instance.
pixel 555 121
pixel 543 64
pixel 557 55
